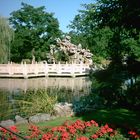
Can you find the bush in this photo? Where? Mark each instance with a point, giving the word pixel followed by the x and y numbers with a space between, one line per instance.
pixel 36 101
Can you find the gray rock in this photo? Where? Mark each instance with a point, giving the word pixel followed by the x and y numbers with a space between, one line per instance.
pixel 39 118
pixel 20 120
pixel 7 123
pixel 53 117
pixel 45 117
pixel 63 109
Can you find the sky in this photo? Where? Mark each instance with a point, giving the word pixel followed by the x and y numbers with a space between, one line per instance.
pixel 64 10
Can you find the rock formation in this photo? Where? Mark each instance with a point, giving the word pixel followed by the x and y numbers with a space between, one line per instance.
pixel 64 51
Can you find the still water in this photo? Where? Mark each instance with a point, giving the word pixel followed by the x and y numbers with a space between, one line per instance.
pixel 12 85
pixel 67 90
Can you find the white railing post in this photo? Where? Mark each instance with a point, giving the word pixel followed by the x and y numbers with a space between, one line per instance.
pixel 73 69
pixel 10 69
pixel 54 66
pixel 46 69
pixel 81 67
pixel 25 70
pixel 36 65
pixel 59 68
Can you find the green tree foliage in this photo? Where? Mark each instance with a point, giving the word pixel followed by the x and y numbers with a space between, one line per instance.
pixel 6 36
pixel 122 17
pixel 111 29
pixel 78 39
pixel 85 26
pixel 117 13
pixel 34 29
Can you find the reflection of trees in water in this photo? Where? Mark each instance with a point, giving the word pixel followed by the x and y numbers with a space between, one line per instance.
pixel 5 106
pixel 66 89
pixel 68 95
pixel 37 100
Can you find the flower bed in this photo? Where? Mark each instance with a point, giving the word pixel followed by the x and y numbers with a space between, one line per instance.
pixel 78 130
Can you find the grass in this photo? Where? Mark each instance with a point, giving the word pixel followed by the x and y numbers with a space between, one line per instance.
pixel 120 118
pixel 51 123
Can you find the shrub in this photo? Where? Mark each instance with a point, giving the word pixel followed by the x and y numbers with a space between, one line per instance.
pixel 36 102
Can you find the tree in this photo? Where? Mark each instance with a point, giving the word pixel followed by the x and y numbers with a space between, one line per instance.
pixel 122 17
pixel 85 27
pixel 34 31
pixel 112 29
pixel 6 36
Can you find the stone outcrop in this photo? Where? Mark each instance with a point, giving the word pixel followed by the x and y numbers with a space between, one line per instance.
pixel 20 120
pixel 40 117
pixel 72 53
pixel 63 109
pixel 7 123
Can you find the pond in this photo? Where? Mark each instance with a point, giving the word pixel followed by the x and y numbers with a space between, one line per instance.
pixel 13 90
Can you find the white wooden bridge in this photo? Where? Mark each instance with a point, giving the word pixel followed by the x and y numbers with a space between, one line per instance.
pixel 24 70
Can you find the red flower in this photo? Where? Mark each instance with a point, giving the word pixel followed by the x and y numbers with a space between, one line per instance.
pixel 54 129
pixel 78 125
pixel 65 135
pixel 106 126
pixel 103 130
pixel 109 130
pixel 13 138
pixel 35 132
pixel 95 136
pixel 3 130
pixel 14 129
pixel 47 136
pixel 55 138
pixel 59 129
pixel 72 130
pixel 134 134
pixel 88 124
pixel 94 123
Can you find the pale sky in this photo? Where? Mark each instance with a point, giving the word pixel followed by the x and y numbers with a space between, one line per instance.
pixel 64 10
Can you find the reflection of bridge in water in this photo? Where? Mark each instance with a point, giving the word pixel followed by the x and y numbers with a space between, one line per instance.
pixel 78 83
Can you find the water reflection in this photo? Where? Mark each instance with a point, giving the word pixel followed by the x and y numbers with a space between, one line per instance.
pixel 66 89
pixel 78 83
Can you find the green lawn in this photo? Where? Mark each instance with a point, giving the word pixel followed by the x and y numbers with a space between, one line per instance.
pixel 120 118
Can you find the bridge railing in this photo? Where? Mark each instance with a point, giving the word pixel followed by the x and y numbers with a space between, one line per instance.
pixel 41 69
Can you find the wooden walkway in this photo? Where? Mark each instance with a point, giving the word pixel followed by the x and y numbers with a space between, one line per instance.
pixel 40 69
